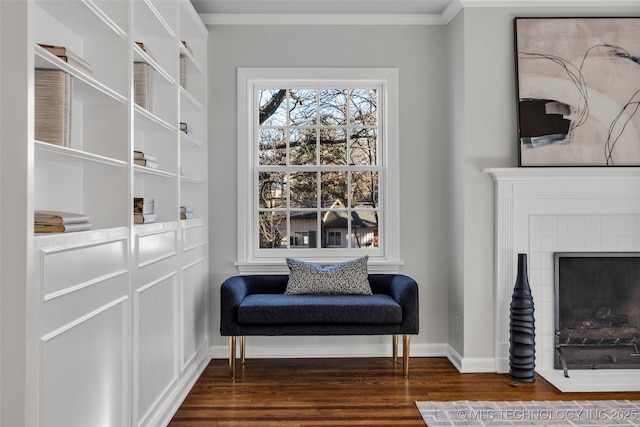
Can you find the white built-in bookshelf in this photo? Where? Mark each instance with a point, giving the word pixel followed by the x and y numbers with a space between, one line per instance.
pixel 116 322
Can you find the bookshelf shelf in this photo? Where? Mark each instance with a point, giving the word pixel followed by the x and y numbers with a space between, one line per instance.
pixel 150 171
pixel 71 156
pixel 85 88
pixel 86 18
pixel 191 180
pixel 141 56
pixel 147 120
pixel 189 101
pixel 189 140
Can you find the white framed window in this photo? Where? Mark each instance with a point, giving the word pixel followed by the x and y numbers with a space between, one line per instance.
pixel 317 166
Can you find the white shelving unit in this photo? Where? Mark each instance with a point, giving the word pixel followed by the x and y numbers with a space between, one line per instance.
pixel 114 325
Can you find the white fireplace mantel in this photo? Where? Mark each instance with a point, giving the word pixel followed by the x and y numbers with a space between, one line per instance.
pixel 539 211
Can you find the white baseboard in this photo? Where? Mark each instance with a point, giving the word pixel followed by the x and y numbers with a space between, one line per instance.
pixel 167 410
pixel 469 364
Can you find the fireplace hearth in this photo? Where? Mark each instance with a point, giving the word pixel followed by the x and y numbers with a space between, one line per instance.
pixel 597 310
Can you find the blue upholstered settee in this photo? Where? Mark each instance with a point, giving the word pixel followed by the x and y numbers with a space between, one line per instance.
pixel 257 305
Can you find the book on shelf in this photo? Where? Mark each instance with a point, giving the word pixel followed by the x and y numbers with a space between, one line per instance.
pixel 183 71
pixel 143 47
pixel 142 155
pixel 148 218
pixel 186 46
pixel 69 57
pixel 186 212
pixel 186 128
pixel 143 82
pixel 143 205
pixel 53 91
pixel 146 163
pixel 61 228
pixel 58 217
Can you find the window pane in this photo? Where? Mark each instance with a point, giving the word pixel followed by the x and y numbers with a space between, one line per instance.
pixel 333 146
pixel 302 146
pixel 272 227
pixel 333 189
pixel 303 107
pixel 272 190
pixel 363 107
pixel 333 108
pixel 364 189
pixel 334 227
pixel 304 190
pixel 304 229
pixel 272 107
pixel 363 146
pixel 364 229
pixel 273 147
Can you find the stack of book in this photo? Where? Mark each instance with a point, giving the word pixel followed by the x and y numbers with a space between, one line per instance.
pixel 69 57
pixel 143 47
pixel 183 71
pixel 183 65
pixel 186 212
pixel 186 128
pixel 60 222
pixel 144 159
pixel 143 210
pixel 53 91
pixel 143 83
pixel 186 46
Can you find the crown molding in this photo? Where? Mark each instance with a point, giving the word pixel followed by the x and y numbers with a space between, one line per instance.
pixel 396 19
pixel 319 19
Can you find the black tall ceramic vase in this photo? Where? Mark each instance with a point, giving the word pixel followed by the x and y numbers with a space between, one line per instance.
pixel 522 344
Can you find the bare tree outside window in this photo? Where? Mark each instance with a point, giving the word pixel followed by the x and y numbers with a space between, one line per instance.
pixel 318 168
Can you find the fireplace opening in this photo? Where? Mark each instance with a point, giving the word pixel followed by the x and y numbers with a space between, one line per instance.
pixel 597 310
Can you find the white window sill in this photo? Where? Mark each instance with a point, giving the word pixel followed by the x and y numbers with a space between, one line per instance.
pixel 280 267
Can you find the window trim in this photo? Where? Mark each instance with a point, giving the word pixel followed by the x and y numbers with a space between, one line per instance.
pixel 388 261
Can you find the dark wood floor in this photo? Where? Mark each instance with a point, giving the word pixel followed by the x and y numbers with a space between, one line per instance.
pixel 345 392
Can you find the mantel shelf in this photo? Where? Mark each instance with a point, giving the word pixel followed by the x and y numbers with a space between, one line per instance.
pixel 564 173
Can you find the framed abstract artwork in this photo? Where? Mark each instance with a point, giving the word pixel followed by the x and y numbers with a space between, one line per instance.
pixel 578 91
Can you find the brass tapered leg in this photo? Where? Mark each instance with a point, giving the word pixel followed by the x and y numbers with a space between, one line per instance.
pixel 405 355
pixel 395 348
pixel 242 342
pixel 232 356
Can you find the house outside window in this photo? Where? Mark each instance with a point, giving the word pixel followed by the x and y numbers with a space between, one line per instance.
pixel 317 154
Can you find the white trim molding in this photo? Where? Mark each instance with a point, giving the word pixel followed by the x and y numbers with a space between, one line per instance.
pixel 442 18
pixel 386 258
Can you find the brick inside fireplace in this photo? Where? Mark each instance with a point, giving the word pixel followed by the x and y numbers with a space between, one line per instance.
pixel 597 310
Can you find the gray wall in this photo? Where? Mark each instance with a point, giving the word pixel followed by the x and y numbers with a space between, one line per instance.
pixel 483 134
pixel 457 117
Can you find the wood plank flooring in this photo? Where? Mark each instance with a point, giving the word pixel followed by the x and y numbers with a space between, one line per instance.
pixel 345 392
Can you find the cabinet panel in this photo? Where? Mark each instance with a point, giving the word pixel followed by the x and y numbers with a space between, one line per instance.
pixel 156 340
pixel 193 297
pixel 84 370
pixel 155 244
pixel 194 234
pixel 65 269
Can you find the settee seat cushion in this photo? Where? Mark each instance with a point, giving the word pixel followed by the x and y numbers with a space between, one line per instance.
pixel 279 309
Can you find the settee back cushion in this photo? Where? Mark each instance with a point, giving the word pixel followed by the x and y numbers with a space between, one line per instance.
pixel 277 309
pixel 343 278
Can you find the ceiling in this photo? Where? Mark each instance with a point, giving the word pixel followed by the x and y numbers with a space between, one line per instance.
pixel 409 7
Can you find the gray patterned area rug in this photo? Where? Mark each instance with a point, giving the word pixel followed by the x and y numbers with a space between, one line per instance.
pixel 581 413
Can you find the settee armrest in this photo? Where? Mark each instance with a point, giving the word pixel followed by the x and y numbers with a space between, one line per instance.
pixel 236 288
pixel 404 290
